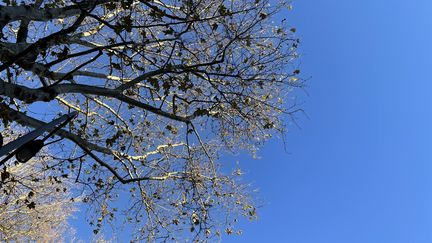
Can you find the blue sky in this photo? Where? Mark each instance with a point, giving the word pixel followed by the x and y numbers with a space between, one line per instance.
pixel 359 169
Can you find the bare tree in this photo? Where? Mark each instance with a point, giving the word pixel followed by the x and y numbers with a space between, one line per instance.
pixel 162 87
pixel 34 204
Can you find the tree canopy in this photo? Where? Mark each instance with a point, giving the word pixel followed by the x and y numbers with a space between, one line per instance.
pixel 23 186
pixel 162 89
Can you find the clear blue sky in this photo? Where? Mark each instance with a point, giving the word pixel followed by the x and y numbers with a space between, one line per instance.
pixel 360 168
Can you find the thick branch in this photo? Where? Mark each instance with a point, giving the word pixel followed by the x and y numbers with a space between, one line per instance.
pixel 47 94
pixel 30 53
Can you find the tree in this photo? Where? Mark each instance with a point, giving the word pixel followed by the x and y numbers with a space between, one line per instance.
pixel 34 204
pixel 162 88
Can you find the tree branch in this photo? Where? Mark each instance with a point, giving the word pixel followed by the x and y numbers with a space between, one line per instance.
pixel 29 95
